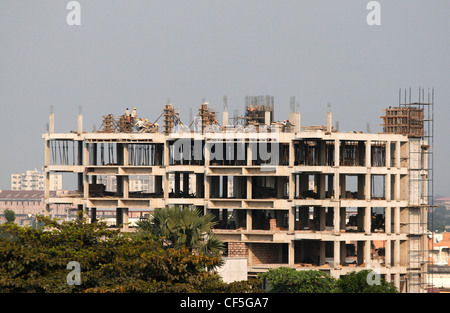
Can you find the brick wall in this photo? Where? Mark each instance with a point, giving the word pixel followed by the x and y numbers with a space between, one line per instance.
pixel 266 253
pixel 237 249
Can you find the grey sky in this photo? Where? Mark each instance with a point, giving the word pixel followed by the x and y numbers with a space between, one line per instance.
pixel 140 53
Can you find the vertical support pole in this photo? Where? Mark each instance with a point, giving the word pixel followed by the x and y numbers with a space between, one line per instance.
pixel 387 255
pixel 397 220
pixel 337 254
pixel 322 252
pixel 367 258
pixel 291 252
pixel 249 220
pixel 388 220
pixel 367 220
pixel 336 216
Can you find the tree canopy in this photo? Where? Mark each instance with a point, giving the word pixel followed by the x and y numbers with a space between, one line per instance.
pixel 289 280
pixel 183 227
pixel 35 260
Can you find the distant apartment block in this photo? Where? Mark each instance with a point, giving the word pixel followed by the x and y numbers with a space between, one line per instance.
pixel 35 180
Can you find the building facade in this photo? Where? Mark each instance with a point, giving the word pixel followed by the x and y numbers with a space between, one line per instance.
pixel 26 204
pixel 34 180
pixel 307 198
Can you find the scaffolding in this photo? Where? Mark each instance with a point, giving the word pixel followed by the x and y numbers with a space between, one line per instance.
pixel 420 130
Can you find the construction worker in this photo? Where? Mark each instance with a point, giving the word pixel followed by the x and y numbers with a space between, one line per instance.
pixel 127 115
pixel 140 123
pixel 133 115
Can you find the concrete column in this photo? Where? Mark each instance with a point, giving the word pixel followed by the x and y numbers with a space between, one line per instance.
pixel 291 186
pixel 291 252
pixel 337 254
pixel 80 123
pixel 397 154
pixel 368 185
pixel 267 118
pixel 387 254
pixel 250 154
pixel 291 217
pixel 336 216
pixel 166 153
pixel 225 118
pixel 397 280
pixel 367 258
pixel 126 155
pixel 126 187
pixel 125 218
pixel 387 220
pixel 368 153
pixel 207 187
pixel 397 186
pixel 367 220
pixel 397 220
pixel 329 121
pixel 336 152
pixel 85 186
pixel 166 185
pixel 396 253
pixel 249 220
pixel 250 254
pixel 291 153
pixel 388 154
pixel 387 191
pixel 249 187
pixel 322 251
pixel 336 184
pixel 51 123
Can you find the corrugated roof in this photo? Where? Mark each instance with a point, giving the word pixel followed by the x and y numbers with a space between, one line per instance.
pixel 23 194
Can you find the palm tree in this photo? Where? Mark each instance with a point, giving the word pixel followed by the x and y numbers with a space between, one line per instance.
pixel 183 227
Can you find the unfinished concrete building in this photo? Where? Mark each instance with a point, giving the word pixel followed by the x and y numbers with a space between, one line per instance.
pixel 283 195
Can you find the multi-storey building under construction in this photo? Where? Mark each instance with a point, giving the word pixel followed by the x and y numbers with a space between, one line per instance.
pixel 283 195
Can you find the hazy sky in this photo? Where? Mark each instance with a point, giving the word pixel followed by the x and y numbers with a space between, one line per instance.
pixel 140 53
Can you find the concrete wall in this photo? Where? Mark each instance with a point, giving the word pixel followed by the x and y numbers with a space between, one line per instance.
pixel 234 269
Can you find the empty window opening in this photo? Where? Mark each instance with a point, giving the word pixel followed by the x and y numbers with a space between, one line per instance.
pixel 352 153
pixel 182 185
pixel 378 153
pixel 378 187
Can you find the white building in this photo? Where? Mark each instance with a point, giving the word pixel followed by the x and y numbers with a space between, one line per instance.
pixel 35 180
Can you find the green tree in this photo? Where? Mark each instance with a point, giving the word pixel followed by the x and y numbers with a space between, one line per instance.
pixel 183 227
pixel 35 260
pixel 10 215
pixel 289 280
pixel 358 282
